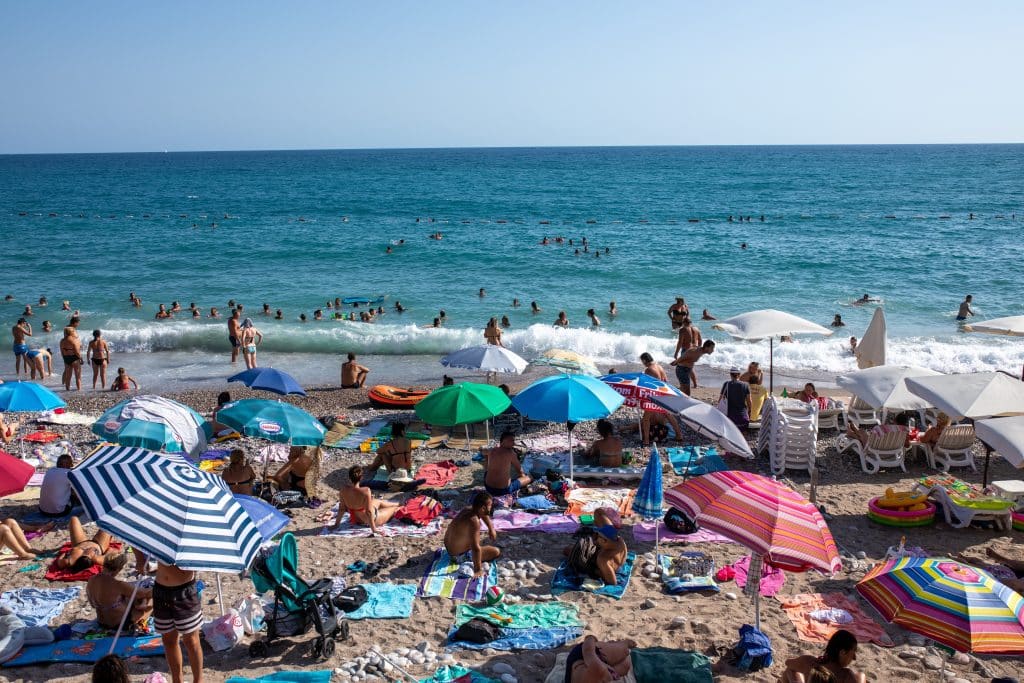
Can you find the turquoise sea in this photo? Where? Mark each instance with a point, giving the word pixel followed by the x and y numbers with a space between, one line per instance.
pixel 296 229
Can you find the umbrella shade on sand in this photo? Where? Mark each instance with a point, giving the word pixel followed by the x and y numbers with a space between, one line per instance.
pixel 567 361
pixel 770 323
pixel 14 474
pixel 27 397
pixel 269 379
pixel 154 423
pixel 272 420
pixel 885 388
pixel 708 421
pixel 952 603
pixel 486 358
pixel 873 346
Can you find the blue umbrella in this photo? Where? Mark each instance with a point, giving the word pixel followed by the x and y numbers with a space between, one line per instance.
pixel 27 397
pixel 267 518
pixel 569 399
pixel 649 500
pixel 154 423
pixel 272 420
pixel 269 379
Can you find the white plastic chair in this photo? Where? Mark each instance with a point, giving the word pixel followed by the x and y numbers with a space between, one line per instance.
pixel 882 450
pixel 861 415
pixel 953 449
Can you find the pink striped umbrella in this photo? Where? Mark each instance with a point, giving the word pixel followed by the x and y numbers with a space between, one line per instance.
pixel 761 514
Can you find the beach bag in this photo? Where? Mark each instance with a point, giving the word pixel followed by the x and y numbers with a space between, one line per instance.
pixel 250 610
pixel 753 652
pixel 678 522
pixel 476 631
pixel 583 555
pixel 223 632
pixel 285 623
pixel 284 500
pixel 351 599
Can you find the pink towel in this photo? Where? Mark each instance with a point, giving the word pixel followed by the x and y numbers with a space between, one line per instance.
pixel 437 474
pixel 644 531
pixel 772 578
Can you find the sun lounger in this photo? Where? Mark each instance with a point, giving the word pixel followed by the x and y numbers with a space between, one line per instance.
pixel 953 449
pixel 860 414
pixel 963 503
pixel 886 449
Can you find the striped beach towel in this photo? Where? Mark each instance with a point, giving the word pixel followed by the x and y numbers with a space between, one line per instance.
pixel 442 580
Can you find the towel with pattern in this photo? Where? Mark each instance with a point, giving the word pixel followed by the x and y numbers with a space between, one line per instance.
pixel 349 530
pixel 37 606
pixel 799 608
pixel 566 579
pixel 644 531
pixel 585 500
pixel 442 579
pixel 526 615
pixel 524 639
pixel 87 651
pixel 516 520
pixel 385 601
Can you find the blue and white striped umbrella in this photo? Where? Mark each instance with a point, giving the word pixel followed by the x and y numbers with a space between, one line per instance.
pixel 167 508
pixel 649 501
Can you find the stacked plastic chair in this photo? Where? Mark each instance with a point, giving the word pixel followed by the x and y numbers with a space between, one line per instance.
pixel 789 436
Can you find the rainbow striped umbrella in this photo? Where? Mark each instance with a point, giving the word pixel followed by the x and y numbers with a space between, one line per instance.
pixel 952 603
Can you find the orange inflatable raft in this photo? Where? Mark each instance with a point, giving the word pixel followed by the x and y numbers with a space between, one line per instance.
pixel 394 397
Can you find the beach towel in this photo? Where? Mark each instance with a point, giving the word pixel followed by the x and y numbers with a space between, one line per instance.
pixel 691 571
pixel 693 461
pixel 385 601
pixel 523 639
pixel 37 606
pixel 458 443
pixel 338 431
pixel 457 674
pixel 42 437
pixel 772 578
pixel 644 531
pixel 438 474
pixel 66 419
pixel 526 615
pixel 298 676
pixel 442 579
pixel 357 435
pixel 516 520
pixel 550 443
pixel 419 510
pixel 88 651
pixel 612 473
pixel 536 502
pixel 586 500
pixel 669 665
pixel 349 530
pixel 799 608
pixel 566 579
pixel 55 573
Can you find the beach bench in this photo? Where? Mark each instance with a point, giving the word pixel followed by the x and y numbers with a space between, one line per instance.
pixel 953 449
pixel 885 449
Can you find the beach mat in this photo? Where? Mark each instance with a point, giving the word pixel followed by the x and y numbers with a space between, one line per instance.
pixel 510 639
pixel 585 500
pixel 358 435
pixel 87 651
pixel 800 608
pixel 669 665
pixel 299 676
pixel 566 579
pixel 517 520
pixel 644 532
pixel 385 601
pixel 392 528
pixel 442 579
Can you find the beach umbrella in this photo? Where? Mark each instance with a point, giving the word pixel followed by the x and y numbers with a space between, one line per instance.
pixel 486 357
pixel 872 348
pixel 637 389
pixel 461 404
pixel 776 523
pixel 770 323
pixel 567 361
pixel 272 420
pixel 884 387
pixel 14 474
pixel 1012 326
pixel 154 423
pixel 708 421
pixel 1005 436
pixel 268 379
pixel 954 604
pixel 569 399
pixel 267 518
pixel 649 501
pixel 972 395
pixel 27 397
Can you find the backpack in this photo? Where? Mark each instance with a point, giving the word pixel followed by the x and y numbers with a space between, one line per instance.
pixel 476 631
pixel 753 652
pixel 351 599
pixel 583 555
pixel 678 522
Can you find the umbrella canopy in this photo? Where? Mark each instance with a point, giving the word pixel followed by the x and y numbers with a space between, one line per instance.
pixel 973 395
pixel 637 388
pixel 708 421
pixel 155 423
pixel 884 388
pixel 770 323
pixel 567 398
pixel 269 379
pixel 649 501
pixel 27 397
pixel 1012 326
pixel 166 508
pixel 1005 436
pixel 272 420
pixel 952 603
pixel 14 474
pixel 488 358
pixel 569 361
pixel 761 514
pixel 462 403
pixel 267 518
pixel 871 350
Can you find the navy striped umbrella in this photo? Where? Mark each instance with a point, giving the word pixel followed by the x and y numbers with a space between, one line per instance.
pixel 167 508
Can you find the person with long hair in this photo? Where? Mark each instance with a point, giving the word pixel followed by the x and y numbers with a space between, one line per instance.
pixel 831 667
pixel 359 502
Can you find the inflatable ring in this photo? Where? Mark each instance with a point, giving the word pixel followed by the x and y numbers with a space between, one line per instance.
pixel 900 518
pixel 1018 521
pixel 900 500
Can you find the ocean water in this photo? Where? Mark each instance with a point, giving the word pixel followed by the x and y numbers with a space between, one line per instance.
pixel 296 229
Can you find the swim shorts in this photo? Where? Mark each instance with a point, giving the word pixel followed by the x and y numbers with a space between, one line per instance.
pixel 959 318
pixel 177 608
pixel 513 486
pixel 683 375
pixel 234 341
pixel 32 353
pixel 20 349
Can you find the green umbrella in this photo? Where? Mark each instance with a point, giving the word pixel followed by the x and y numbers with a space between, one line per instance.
pixel 460 404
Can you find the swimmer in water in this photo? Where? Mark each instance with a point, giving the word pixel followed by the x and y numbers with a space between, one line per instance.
pixel 612 309
pixel 515 303
pixel 853 345
pixel 965 309
pixel 279 314
pixel 837 321
pixel 866 299
pixel 534 308
pixel 594 320
pixel 706 315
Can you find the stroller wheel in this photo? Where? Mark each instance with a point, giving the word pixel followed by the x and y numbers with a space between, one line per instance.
pixel 258 649
pixel 341 631
pixel 318 647
pixel 328 649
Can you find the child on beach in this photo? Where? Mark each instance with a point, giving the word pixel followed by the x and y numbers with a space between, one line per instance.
pixel 122 380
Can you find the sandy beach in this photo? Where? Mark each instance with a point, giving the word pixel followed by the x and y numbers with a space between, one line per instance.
pixel 706 623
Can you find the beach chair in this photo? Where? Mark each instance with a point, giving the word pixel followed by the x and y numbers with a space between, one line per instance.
pixel 963 503
pixel 882 450
pixel 953 449
pixel 861 415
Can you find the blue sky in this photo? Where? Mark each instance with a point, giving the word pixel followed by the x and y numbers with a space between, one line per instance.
pixel 111 76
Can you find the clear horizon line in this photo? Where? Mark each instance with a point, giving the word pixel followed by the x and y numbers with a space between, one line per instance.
pixel 509 147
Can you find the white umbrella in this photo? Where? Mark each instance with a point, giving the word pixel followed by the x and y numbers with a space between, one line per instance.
pixel 1005 436
pixel 486 357
pixel 768 322
pixel 1012 326
pixel 884 388
pixel 707 420
pixel 871 350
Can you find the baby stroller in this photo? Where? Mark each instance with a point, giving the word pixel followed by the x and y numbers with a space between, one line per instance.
pixel 297 604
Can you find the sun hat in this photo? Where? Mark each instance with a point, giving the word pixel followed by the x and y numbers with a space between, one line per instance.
pixel 734 370
pixel 400 476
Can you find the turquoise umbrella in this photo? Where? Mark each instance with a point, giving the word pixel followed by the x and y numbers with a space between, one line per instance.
pixel 272 420
pixel 27 397
pixel 155 423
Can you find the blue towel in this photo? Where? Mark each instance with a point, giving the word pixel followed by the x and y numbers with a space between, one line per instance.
pixel 523 639
pixel 320 676
pixel 385 601
pixel 37 606
pixel 693 461
pixel 536 502
pixel 566 579
pixel 447 674
pixel 87 651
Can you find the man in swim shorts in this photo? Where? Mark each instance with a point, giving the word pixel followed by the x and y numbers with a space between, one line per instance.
pixel 499 463
pixel 353 375
pixel 684 365
pixel 178 616
pixel 233 334
pixel 20 330
pixel 965 309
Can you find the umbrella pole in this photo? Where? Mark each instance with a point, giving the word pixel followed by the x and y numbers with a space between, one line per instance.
pixel 988 456
pixel 124 618
pixel 568 429
pixel 466 426
pixel 757 607
pixel 771 367
pixel 220 595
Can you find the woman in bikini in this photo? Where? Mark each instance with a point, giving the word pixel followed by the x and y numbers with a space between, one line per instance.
pixel 593 661
pixel 292 475
pixel 239 475
pixel 109 596
pixel 84 551
pixel 12 536
pixel 834 664
pixel 250 339
pixel 396 454
pixel 359 502
pixel 99 358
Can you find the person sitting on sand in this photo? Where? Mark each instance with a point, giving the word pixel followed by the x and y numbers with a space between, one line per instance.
pixel 109 596
pixel 12 536
pixel 122 381
pixel 608 449
pixel 932 434
pixel 463 533
pixel 833 665
pixel 8 430
pixel 359 502
pixel 594 661
pixel 500 463
pixel 239 474
pixel 84 552
pixel 807 394
pixel 396 454
pixel 56 497
pixel 603 552
pixel 353 375
pixel 292 475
